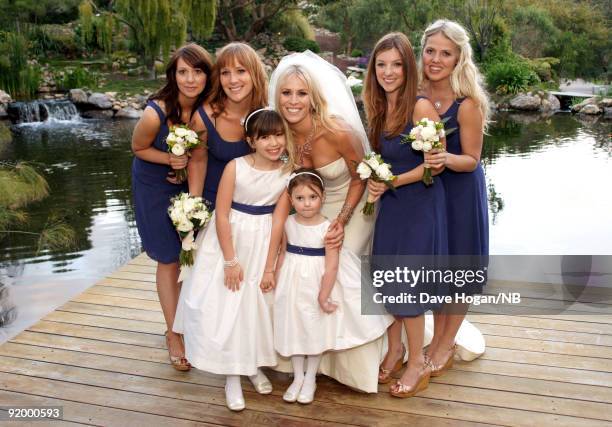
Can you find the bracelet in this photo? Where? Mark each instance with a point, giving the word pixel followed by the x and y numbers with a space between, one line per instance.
pixel 231 263
pixel 269 271
pixel 345 213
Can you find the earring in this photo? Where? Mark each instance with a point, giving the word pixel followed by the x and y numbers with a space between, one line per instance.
pixel 284 157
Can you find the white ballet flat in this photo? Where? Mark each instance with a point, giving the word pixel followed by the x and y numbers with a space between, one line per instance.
pixel 261 383
pixel 234 403
pixel 292 396
pixel 470 342
pixel 307 393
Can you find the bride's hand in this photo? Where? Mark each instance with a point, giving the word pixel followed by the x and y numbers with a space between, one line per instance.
pixel 375 190
pixel 335 235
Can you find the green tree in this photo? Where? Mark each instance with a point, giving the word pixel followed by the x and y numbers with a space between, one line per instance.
pixel 155 26
pixel 480 18
pixel 243 19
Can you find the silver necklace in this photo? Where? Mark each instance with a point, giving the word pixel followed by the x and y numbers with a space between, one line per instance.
pixel 437 105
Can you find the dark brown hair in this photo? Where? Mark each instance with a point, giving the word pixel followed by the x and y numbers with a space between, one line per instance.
pixel 374 96
pixel 196 56
pixel 243 54
pixel 306 179
pixel 269 122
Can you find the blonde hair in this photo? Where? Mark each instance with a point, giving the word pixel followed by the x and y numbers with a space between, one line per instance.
pixel 375 99
pixel 318 103
pixel 243 54
pixel 465 80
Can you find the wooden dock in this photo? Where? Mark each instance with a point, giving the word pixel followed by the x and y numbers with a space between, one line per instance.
pixel 102 357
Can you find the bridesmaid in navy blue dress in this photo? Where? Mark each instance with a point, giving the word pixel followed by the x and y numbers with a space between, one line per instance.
pixel 412 219
pixel 450 79
pixel 239 85
pixel 186 88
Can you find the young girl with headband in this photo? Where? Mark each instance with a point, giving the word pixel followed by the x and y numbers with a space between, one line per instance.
pixel 317 297
pixel 225 315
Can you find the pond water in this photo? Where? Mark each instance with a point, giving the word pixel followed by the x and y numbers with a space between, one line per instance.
pixel 548 194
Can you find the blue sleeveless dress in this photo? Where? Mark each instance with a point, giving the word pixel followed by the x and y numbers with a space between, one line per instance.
pixel 152 193
pixel 411 221
pixel 220 152
pixel 466 203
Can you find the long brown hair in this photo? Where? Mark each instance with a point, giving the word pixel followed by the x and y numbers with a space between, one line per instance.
pixel 248 58
pixel 196 56
pixel 375 100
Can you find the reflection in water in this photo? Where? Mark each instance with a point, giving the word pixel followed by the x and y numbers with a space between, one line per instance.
pixel 550 178
pixel 547 179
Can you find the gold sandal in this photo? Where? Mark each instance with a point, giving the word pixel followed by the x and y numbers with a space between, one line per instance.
pixel 402 390
pixel 437 370
pixel 385 375
pixel 180 363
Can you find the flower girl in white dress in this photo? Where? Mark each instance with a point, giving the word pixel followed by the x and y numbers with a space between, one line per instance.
pixel 317 296
pixel 224 315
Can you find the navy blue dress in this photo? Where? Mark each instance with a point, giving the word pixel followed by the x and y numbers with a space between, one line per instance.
pixel 220 153
pixel 152 193
pixel 411 221
pixel 466 204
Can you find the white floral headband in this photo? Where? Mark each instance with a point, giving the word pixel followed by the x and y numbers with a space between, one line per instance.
pixel 294 175
pixel 246 121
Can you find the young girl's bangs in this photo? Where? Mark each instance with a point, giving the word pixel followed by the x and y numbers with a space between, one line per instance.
pixel 266 123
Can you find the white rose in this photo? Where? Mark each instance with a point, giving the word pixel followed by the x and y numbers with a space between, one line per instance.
pixel 441 133
pixel 171 137
pixel 202 216
pixel 428 133
pixel 372 161
pixel 426 146
pixel 181 132
pixel 184 226
pixel 415 132
pixel 178 150
pixel 192 139
pixel 384 172
pixel 189 205
pixel 364 171
pixel 175 216
pixel 417 145
pixel 188 243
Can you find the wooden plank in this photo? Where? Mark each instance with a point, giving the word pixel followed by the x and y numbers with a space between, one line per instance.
pixel 540 323
pixel 555 347
pixel 200 402
pixel 541 313
pixel 128 284
pixel 149 340
pixel 495 375
pixel 328 403
pixel 141 277
pixel 552 291
pixel 117 302
pixel 149 404
pixel 150 295
pixel 138 268
pixel 111 311
pixel 547 359
pixel 106 322
pixel 543 334
pixel 524 350
pixel 75 413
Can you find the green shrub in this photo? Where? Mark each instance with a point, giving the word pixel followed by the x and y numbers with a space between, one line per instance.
pixel 510 77
pixel 74 78
pixel 356 53
pixel 543 67
pixel 17 76
pixel 298 44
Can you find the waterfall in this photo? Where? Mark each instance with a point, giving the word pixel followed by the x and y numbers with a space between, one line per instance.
pixel 42 111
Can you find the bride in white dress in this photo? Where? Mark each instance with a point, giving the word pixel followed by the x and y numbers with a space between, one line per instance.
pixel 314 98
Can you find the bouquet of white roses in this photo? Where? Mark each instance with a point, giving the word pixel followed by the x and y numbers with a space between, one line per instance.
pixel 181 140
pixel 188 214
pixel 373 167
pixel 425 136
